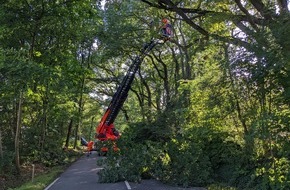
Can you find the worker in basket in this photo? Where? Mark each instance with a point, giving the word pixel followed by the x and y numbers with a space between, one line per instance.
pixel 166 29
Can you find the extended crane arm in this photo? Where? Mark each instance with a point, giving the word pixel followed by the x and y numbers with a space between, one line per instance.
pixel 106 129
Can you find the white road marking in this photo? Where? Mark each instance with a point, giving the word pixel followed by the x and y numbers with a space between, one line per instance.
pixel 96 169
pixel 51 184
pixel 127 185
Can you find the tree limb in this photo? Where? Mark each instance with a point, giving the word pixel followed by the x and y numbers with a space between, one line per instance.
pixel 244 10
pixel 258 4
pixel 283 5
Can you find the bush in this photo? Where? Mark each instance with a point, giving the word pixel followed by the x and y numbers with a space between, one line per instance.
pixel 195 159
pixel 274 174
pixel 7 166
pixel 177 162
pixel 132 163
pixel 184 164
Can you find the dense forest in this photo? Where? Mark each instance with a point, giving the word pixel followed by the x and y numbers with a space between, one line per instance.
pixel 209 106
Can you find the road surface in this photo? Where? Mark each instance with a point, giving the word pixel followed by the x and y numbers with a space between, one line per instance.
pixel 83 175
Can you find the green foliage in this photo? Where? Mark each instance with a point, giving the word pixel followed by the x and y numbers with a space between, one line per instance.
pixel 186 164
pixel 41 181
pixel 41 49
pixel 220 187
pixel 271 158
pixel 133 162
pixel 193 159
pixel 217 107
pixel 7 164
pixel 273 174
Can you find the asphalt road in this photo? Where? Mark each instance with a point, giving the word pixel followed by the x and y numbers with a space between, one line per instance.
pixel 83 175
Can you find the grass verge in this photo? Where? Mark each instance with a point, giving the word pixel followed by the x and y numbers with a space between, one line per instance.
pixel 48 175
pixel 41 181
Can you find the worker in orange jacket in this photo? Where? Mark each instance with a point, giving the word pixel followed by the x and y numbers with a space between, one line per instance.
pixel 90 147
pixel 166 29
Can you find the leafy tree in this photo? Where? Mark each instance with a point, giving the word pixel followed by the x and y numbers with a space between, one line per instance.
pixel 46 56
pixel 235 63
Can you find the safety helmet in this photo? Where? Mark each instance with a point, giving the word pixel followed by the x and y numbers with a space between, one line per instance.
pixel 164 20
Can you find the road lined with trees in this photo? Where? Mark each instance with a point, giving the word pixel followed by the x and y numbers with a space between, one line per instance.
pixel 209 107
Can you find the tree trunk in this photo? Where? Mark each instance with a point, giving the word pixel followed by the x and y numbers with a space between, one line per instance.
pixel 44 124
pixel 92 127
pixel 283 5
pixel 1 146
pixel 17 133
pixel 68 133
pixel 80 104
pixel 79 116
